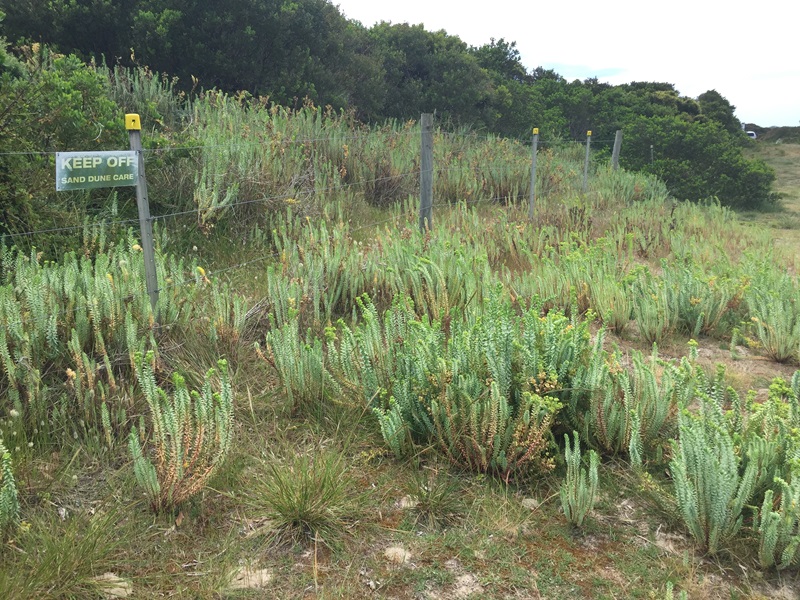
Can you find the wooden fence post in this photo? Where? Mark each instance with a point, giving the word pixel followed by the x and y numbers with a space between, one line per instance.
pixel 615 152
pixel 533 173
pixel 586 162
pixel 426 173
pixel 133 125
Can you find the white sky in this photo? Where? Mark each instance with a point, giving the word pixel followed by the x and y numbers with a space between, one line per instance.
pixel 748 52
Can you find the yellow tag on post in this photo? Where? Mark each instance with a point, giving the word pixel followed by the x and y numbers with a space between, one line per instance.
pixel 132 122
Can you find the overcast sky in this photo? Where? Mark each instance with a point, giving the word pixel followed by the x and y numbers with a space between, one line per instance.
pixel 748 52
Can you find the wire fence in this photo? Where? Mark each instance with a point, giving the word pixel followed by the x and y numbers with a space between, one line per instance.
pixel 497 173
pixel 557 141
pixel 517 170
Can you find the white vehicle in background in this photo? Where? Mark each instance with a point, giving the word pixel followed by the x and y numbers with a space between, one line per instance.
pixel 751 134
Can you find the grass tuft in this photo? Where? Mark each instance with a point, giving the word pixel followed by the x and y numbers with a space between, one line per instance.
pixel 310 497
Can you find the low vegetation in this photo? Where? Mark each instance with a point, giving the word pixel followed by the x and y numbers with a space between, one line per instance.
pixel 597 402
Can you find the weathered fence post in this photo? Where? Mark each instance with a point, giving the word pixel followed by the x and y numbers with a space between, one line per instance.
pixel 533 173
pixel 615 152
pixel 426 172
pixel 586 162
pixel 134 126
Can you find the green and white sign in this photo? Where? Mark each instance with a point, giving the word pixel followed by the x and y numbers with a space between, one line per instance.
pixel 86 170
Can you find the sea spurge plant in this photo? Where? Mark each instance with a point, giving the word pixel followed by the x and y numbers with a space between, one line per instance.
pixel 775 314
pixel 625 409
pixel 487 434
pixel 579 490
pixel 704 302
pixel 485 395
pixel 779 530
pixel 191 435
pixel 670 593
pixel 595 407
pixel 70 325
pixel 710 488
pixel 652 402
pixel 770 431
pixel 364 358
pixel 553 348
pixel 612 301
pixel 9 502
pixel 301 367
pixel 654 309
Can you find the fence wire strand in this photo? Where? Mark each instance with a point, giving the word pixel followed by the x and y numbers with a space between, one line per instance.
pixel 522 169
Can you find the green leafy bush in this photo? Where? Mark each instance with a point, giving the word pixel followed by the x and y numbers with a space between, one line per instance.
pixel 50 102
pixel 697 159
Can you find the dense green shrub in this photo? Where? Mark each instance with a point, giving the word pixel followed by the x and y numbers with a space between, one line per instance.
pixel 697 160
pixel 48 103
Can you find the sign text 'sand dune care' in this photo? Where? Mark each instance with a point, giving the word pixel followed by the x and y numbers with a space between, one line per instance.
pixel 84 170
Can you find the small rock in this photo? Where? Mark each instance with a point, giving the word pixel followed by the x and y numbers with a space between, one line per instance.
pixel 452 564
pixel 531 503
pixel 407 502
pixel 397 555
pixel 466 586
pixel 246 577
pixel 113 586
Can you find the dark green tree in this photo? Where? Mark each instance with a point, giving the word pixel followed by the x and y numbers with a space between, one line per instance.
pixel 431 71
pixel 715 107
pixel 508 109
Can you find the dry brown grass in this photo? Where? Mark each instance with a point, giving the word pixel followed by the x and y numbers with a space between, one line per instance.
pixel 785 159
